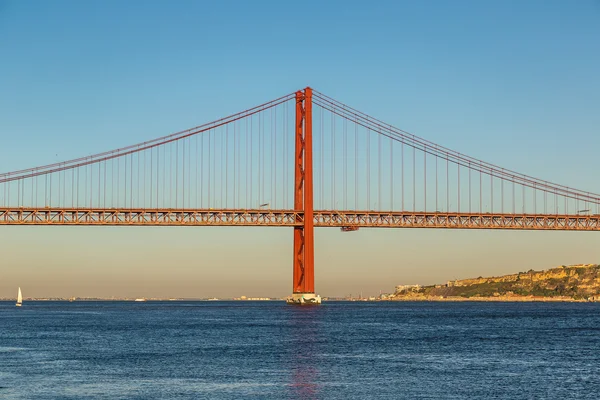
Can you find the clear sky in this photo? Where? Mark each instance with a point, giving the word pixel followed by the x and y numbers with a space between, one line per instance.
pixel 514 83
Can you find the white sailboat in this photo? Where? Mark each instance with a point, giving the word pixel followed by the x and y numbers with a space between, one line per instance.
pixel 19 298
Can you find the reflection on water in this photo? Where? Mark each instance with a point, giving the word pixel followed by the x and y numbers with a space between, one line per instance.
pixel 304 324
pixel 304 382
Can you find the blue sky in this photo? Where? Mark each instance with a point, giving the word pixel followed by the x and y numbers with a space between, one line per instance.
pixel 510 82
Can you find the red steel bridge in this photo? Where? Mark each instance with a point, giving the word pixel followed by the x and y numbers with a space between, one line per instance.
pixel 304 160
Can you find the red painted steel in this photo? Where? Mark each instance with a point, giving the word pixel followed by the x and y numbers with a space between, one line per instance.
pixel 303 275
pixel 298 261
pixel 309 231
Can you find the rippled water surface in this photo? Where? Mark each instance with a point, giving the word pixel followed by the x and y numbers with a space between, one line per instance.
pixel 267 350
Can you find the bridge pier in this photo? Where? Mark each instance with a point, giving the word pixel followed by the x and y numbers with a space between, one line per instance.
pixel 304 299
pixel 304 267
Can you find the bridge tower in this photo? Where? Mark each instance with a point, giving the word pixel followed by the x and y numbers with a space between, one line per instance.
pixel 304 241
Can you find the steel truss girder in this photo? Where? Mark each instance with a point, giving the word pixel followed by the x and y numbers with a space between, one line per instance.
pixel 149 217
pixel 406 219
pixel 290 218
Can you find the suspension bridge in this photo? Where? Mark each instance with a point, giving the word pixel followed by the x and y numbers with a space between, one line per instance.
pixel 304 160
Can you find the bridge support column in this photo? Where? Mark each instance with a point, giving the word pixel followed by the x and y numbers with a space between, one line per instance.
pixel 304 267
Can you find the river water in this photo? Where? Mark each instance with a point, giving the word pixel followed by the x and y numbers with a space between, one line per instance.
pixel 268 350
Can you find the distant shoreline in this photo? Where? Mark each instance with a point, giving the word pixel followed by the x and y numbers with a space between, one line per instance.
pixel 511 299
pixel 134 301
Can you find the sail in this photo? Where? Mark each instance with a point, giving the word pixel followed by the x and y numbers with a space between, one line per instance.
pixel 19 297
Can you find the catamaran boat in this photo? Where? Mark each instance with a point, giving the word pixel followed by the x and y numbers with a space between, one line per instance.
pixel 19 299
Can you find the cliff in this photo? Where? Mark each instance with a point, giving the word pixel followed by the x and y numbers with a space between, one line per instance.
pixel 574 282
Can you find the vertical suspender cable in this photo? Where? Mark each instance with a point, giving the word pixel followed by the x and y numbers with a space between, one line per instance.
pixel 222 167
pixel 356 164
pixel 345 161
pixel 333 181
pixel 263 150
pixel 391 175
pixel 260 157
pixel 513 197
pixel 402 170
pixel 458 187
pixel 502 195
pixel 176 174
pixel 130 157
pixel 226 166
pixel 414 168
pixel 144 168
pixel 170 175
pixel 189 174
pixel 368 168
pixel 251 162
pixel 285 152
pixel 492 186
pixel 214 168
pixel 237 145
pixel 284 131
pixel 157 174
pixel 248 172
pixel 535 190
pixel 447 184
pixel 151 150
pixel 480 190
pixel 425 178
pixel 197 137
pixel 379 170
pixel 469 168
pixel 436 181
pixel 91 184
pixel 274 157
pixel 322 160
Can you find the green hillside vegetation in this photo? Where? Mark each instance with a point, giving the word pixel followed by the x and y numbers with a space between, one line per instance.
pixel 576 281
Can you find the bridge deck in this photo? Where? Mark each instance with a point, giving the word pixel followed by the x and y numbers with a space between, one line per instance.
pixel 282 218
